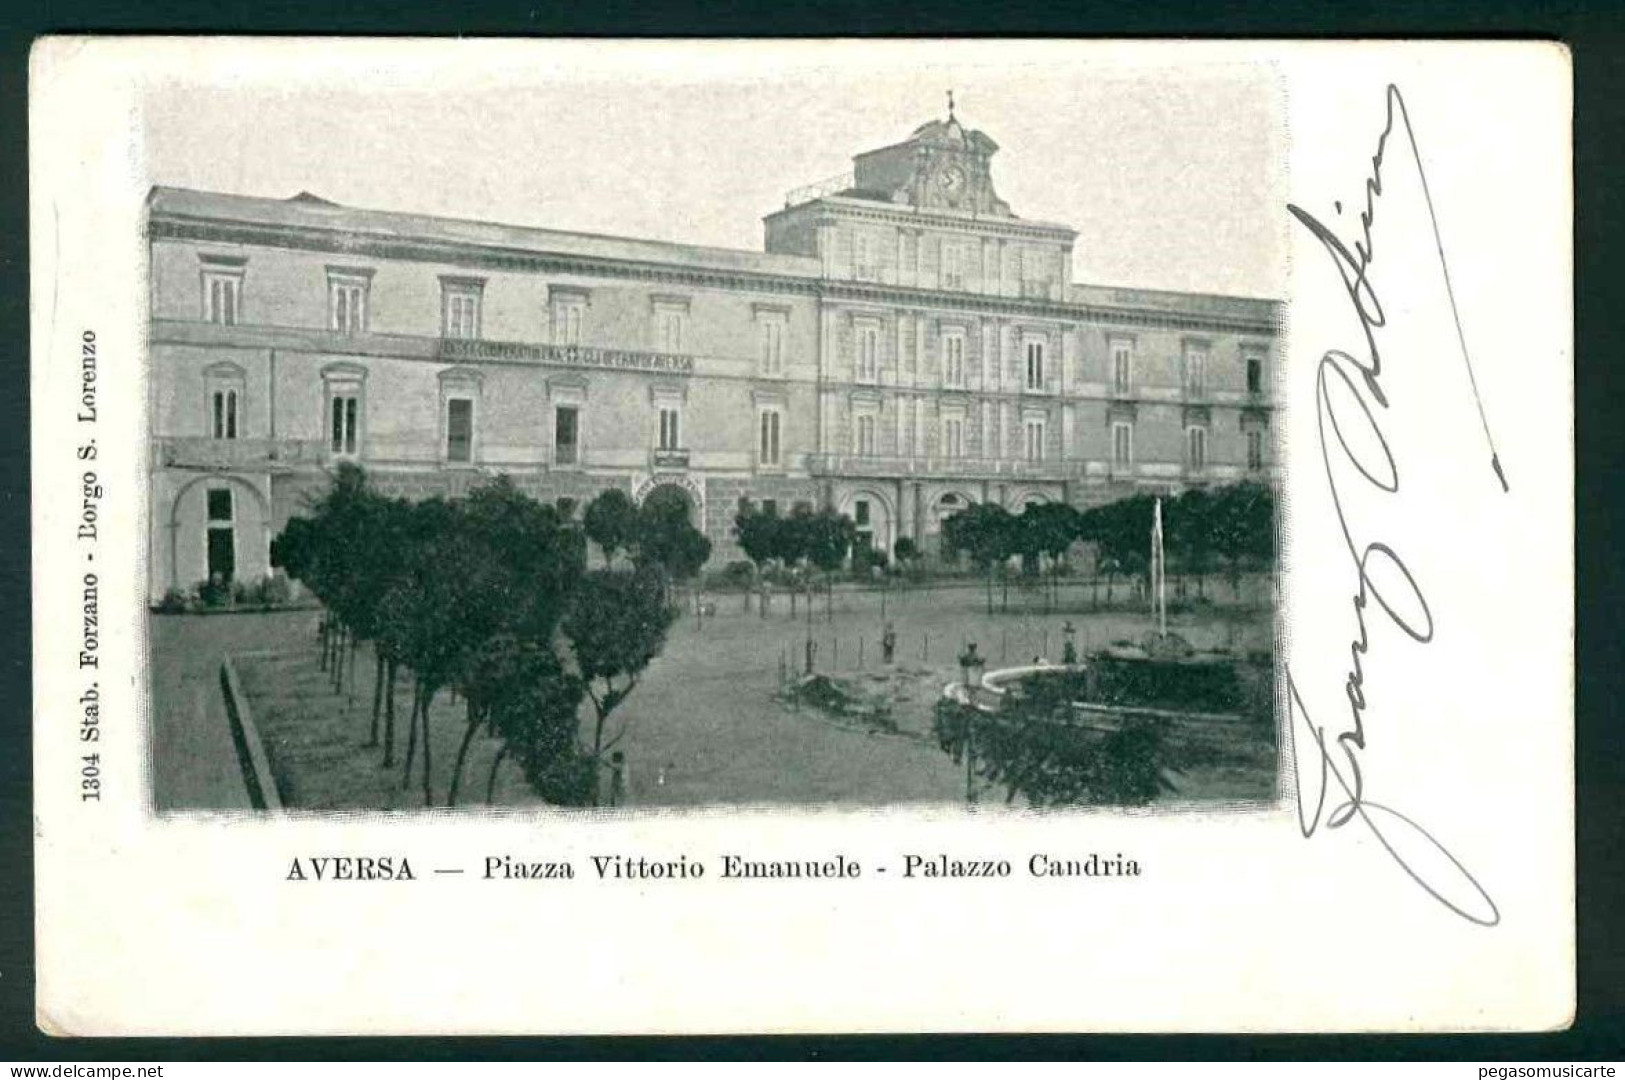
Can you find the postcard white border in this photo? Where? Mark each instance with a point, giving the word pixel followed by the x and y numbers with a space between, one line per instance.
pixel 1239 923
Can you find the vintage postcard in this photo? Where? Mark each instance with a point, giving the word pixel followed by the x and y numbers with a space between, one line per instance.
pixel 819 536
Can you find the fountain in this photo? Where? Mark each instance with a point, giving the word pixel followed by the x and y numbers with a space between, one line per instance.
pixel 1195 697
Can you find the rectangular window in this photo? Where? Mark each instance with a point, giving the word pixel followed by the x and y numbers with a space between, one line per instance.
pixel 347 302
pixel 770 507
pixel 1122 444
pixel 953 359
pixel 220 505
pixel 772 347
pixel 862 256
pixel 567 319
pixel 566 435
pixel 671 331
pixel 1255 375
pixel 221 539
pixel 1035 440
pixel 770 437
pixel 1255 450
pixel 224 424
pixel 346 410
pixel 668 430
pixel 953 437
pixel 1196 448
pixel 459 430
pixel 866 435
pixel 461 310
pixel 1122 367
pixel 222 297
pixel 860 513
pixel 953 266
pixel 1196 372
pixel 868 351
pixel 1035 364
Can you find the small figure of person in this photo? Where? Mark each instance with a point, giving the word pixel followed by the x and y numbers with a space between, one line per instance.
pixel 617 778
pixel 888 643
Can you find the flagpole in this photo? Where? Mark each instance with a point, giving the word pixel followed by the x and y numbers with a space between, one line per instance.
pixel 1159 571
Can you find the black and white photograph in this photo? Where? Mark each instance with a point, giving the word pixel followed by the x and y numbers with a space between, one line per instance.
pixel 650 537
pixel 569 447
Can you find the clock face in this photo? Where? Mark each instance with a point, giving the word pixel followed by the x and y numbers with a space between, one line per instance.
pixel 952 181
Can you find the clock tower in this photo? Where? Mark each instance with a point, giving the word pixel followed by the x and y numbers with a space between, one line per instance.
pixel 923 212
pixel 942 166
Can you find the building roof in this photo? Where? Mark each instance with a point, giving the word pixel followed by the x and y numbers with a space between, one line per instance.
pixel 1175 303
pixel 951 133
pixel 868 199
pixel 305 211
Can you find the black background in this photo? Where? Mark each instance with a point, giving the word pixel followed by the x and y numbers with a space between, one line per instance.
pixel 1595 32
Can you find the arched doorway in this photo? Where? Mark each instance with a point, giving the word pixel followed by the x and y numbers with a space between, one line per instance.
pixel 219 530
pixel 1028 498
pixel 672 493
pixel 944 507
pixel 872 513
pixel 670 500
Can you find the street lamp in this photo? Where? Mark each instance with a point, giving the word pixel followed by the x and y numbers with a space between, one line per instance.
pixel 811 648
pixel 970 668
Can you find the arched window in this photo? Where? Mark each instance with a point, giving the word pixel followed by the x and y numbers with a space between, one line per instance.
pixel 344 388
pixel 224 394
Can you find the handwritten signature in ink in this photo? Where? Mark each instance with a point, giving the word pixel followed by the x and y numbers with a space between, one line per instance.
pixel 1378 567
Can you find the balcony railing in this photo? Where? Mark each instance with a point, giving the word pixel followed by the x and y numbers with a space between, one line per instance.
pixel 669 458
pixel 828 186
pixel 199 452
pixel 465 350
pixel 880 465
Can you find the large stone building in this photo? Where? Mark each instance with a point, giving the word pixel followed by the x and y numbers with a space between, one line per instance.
pixel 905 346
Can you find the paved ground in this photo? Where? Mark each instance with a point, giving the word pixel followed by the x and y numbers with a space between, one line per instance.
pixel 703 727
pixel 705 720
pixel 194 760
pixel 319 739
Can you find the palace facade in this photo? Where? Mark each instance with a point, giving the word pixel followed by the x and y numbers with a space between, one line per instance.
pixel 903 347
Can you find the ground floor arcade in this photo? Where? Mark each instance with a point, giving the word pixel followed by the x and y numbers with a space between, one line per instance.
pixel 214 524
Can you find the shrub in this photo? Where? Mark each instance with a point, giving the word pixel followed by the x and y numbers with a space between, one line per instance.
pixel 783 577
pixel 569 779
pixel 1031 749
pixel 865 557
pixel 1167 684
pixel 174 602
pixel 213 594
pixel 278 590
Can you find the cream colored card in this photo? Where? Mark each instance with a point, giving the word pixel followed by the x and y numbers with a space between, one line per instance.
pixel 1040 274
